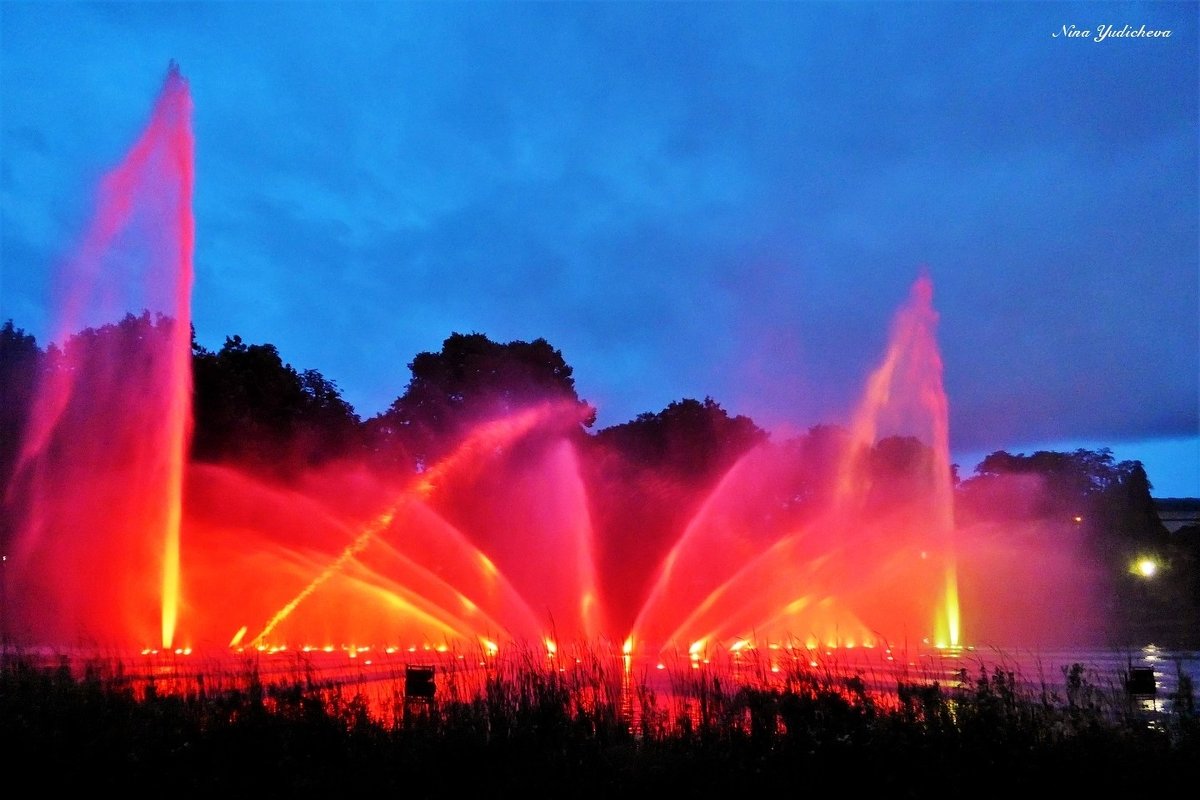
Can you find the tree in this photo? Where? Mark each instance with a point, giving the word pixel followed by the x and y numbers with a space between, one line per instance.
pixel 20 364
pixel 1110 503
pixel 473 379
pixel 1072 484
pixel 252 407
pixel 647 478
pixel 691 439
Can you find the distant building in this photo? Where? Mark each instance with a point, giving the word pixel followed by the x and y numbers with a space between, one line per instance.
pixel 1178 512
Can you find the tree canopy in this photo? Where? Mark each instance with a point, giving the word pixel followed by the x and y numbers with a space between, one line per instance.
pixel 470 380
pixel 690 438
pixel 251 406
pixel 20 363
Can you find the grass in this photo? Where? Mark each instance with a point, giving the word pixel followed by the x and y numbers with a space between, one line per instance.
pixel 580 724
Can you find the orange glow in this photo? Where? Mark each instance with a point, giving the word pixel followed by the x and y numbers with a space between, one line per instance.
pixel 952 613
pixel 237 637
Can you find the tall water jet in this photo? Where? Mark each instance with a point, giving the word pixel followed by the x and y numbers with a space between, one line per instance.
pixel 906 394
pixel 839 542
pixel 98 483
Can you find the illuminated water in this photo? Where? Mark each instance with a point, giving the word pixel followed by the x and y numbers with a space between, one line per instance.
pixel 122 544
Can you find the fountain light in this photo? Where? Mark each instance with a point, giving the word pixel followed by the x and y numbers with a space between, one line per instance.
pixel 1145 567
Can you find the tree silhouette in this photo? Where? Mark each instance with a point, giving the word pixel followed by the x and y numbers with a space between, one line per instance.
pixel 646 479
pixel 689 438
pixel 251 407
pixel 470 380
pixel 20 364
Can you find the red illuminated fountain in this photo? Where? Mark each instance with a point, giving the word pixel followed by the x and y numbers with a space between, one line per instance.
pixel 100 474
pixel 856 571
pixel 121 543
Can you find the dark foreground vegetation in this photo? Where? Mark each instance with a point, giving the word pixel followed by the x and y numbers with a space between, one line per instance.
pixel 533 731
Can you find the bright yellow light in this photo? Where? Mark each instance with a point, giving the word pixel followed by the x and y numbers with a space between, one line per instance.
pixel 627 648
pixel 490 646
pixel 551 647
pixel 1146 567
pixel 237 637
pixel 696 647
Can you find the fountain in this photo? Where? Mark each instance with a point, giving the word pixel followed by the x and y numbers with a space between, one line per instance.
pixel 98 483
pixel 843 538
pixel 861 566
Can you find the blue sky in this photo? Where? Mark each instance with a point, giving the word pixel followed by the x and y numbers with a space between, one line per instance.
pixel 721 199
